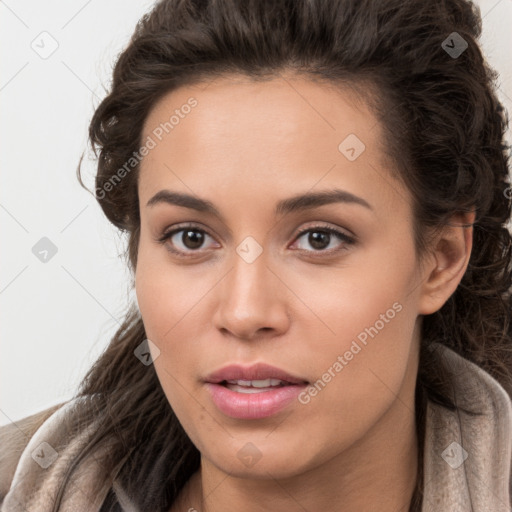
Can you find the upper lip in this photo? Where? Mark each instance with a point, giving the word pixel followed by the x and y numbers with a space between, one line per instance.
pixel 258 371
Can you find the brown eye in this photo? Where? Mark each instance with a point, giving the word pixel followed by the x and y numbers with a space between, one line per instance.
pixel 184 241
pixel 319 238
pixel 192 238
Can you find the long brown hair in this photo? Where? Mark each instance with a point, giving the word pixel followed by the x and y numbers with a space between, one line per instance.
pixel 443 127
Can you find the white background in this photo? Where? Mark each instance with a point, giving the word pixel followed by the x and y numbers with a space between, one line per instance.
pixel 57 317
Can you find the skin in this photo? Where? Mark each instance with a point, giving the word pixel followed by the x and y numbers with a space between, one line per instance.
pixel 244 147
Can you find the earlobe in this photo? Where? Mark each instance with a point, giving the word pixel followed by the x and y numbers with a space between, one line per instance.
pixel 448 263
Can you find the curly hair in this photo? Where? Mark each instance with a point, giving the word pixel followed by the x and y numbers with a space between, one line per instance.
pixel 443 128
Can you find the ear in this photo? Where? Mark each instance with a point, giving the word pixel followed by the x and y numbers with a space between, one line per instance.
pixel 448 262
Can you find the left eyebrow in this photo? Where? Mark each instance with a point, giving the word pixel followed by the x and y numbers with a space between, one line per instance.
pixel 300 202
pixel 311 200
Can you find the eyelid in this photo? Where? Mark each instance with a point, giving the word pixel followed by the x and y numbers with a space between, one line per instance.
pixel 181 227
pixel 325 227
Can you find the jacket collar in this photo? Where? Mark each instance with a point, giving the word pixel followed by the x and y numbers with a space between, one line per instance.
pixel 468 457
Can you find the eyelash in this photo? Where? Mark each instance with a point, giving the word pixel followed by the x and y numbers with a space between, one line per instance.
pixel 348 240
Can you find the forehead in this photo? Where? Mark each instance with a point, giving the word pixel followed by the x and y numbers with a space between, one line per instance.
pixel 285 131
pixel 243 108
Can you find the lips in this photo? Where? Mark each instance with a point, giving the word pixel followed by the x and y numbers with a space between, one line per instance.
pixel 241 392
pixel 254 406
pixel 258 371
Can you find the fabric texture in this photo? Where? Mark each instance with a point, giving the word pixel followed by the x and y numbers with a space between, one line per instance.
pixel 467 457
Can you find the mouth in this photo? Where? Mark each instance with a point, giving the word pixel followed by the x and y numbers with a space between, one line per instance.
pixel 254 392
pixel 252 402
pixel 255 386
pixel 256 376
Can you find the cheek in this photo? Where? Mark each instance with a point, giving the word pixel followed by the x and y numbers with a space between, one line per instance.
pixel 171 311
pixel 362 344
pixel 365 301
pixel 360 371
pixel 163 292
pixel 161 312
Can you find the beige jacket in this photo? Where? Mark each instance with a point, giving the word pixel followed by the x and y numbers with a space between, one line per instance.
pixel 467 459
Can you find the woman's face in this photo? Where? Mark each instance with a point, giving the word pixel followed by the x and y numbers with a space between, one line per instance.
pixel 339 312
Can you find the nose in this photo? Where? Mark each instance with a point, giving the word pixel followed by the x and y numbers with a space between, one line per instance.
pixel 251 300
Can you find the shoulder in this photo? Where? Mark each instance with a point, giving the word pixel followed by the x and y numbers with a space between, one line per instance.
pixel 14 437
pixel 40 452
pixel 468 450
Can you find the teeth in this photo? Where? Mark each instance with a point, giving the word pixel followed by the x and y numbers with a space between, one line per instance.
pixel 247 389
pixel 257 383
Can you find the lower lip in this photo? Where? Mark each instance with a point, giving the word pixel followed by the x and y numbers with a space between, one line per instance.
pixel 252 406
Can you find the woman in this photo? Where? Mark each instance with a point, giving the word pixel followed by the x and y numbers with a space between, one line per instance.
pixel 315 195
